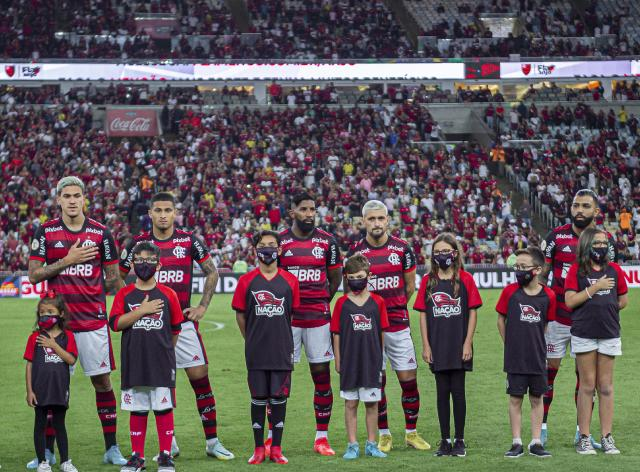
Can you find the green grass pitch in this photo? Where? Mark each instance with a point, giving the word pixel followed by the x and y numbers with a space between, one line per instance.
pixel 487 434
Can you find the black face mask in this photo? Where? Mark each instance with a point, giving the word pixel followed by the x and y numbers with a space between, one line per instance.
pixel 357 285
pixel 268 255
pixel 304 226
pixel 444 261
pixel 524 277
pixel 144 270
pixel 582 224
pixel 599 254
pixel 47 322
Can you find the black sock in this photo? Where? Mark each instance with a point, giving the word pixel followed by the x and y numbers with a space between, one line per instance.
pixel 59 414
pixel 258 413
pixel 278 413
pixel 459 401
pixel 443 392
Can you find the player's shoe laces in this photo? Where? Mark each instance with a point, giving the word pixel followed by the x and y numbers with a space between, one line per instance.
pixel 44 467
pixel 114 456
pixel 444 449
pixel 68 467
pixel 371 450
pixel 385 443
pixel 538 450
pixel 258 456
pixel 516 451
pixel 175 450
pixel 584 446
pixel 134 464
pixel 267 447
pixel 216 449
pixel 276 455
pixel 322 447
pixel 49 456
pixel 352 452
pixel 608 445
pixel 459 448
pixel 165 462
pixel 414 440
pixel 594 444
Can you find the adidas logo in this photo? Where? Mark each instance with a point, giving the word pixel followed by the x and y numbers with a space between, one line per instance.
pixel 59 244
pixel 412 361
pixel 104 364
pixel 279 425
pixel 566 249
pixel 256 426
pixel 372 394
pixel 196 358
pixel 327 354
pixel 164 400
pixel 288 253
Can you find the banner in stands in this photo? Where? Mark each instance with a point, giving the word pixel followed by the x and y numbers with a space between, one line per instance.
pixel 635 67
pixel 95 71
pixel 132 122
pixel 486 277
pixel 560 69
pixel 10 287
pixel 157 28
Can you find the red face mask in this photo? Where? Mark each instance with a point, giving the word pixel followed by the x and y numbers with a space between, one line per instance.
pixel 47 322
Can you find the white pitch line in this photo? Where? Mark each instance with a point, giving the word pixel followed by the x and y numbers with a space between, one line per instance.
pixel 216 326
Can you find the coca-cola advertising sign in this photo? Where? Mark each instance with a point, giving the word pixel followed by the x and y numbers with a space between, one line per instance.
pixel 128 122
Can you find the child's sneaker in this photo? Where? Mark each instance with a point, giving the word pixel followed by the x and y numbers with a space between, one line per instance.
pixel 165 462
pixel 538 450
pixel 608 445
pixel 516 451
pixel 134 464
pixel 459 448
pixel 49 456
pixel 44 467
pixel 371 450
pixel 444 449
pixel 584 446
pixel 353 451
pixel 68 467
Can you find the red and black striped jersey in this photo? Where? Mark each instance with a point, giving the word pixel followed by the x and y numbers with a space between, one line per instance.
pixel 177 254
pixel 309 260
pixel 81 285
pixel 560 250
pixel 389 263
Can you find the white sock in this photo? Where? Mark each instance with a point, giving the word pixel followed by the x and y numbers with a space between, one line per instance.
pixel 410 431
pixel 385 431
pixel 544 425
pixel 449 440
pixel 321 434
pixel 535 441
pixel 212 441
pixel 517 441
pixel 269 434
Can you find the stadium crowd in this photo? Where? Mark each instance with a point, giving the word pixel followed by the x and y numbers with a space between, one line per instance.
pixel 229 169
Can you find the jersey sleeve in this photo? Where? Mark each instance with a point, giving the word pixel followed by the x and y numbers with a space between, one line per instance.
pixel 408 260
pixel 117 310
pixel 39 246
pixel 474 299
pixel 239 301
pixel 199 250
pixel 502 307
pixel 548 247
pixel 622 281
pixel 108 249
pixel 384 316
pixel 571 282
pixel 72 348
pixel 553 305
pixel 31 346
pixel 334 324
pixel 126 257
pixel 175 311
pixel 334 260
pixel 295 286
pixel 421 303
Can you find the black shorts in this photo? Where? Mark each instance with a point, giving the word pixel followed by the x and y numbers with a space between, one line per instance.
pixel 269 383
pixel 519 384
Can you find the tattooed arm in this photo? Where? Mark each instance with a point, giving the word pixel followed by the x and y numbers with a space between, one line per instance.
pixel 210 283
pixel 112 280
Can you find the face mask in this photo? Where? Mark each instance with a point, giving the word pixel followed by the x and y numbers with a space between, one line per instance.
pixel 47 322
pixel 524 277
pixel 582 224
pixel 599 254
pixel 305 227
pixel 268 255
pixel 444 261
pixel 144 270
pixel 357 285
